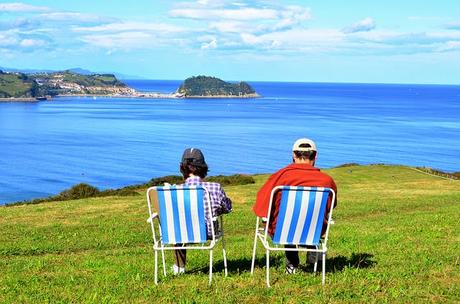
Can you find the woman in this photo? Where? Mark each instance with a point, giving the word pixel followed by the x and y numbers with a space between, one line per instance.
pixel 194 169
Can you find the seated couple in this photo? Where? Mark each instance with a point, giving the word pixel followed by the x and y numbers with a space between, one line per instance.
pixel 301 172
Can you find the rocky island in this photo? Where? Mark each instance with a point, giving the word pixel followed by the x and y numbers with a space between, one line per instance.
pixel 17 86
pixel 212 87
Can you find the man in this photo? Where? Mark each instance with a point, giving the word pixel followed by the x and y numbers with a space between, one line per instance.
pixel 194 168
pixel 300 173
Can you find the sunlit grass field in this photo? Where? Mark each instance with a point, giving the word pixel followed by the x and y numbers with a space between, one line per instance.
pixel 396 239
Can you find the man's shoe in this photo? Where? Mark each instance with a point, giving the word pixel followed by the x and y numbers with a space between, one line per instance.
pixel 177 270
pixel 290 269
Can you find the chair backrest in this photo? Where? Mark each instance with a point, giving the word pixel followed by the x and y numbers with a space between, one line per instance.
pixel 181 213
pixel 301 214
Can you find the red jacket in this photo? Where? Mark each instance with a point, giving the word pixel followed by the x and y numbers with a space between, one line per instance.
pixel 292 175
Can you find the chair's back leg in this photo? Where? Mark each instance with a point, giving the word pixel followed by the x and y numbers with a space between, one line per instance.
pixel 268 268
pixel 164 263
pixel 210 266
pixel 225 256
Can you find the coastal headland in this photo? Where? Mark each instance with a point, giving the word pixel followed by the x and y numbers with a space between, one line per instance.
pixel 20 87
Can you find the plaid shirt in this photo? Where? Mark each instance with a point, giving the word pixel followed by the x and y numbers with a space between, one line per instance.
pixel 220 203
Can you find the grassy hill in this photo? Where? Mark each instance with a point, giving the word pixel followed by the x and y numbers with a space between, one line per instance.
pixel 17 85
pixel 205 86
pixel 67 82
pixel 396 240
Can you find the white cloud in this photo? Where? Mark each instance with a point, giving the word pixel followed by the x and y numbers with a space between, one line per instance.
pixel 450 46
pixel 131 26
pixel 407 38
pixel 71 17
pixel 454 25
pixel 229 26
pixel 262 28
pixel 228 14
pixel 11 40
pixel 22 8
pixel 124 40
pixel 364 25
pixel 7 39
pixel 29 43
pixel 211 45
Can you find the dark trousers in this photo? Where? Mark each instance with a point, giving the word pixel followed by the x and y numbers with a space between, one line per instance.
pixel 180 256
pixel 292 257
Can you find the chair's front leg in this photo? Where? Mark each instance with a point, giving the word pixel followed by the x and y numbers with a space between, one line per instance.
pixel 156 267
pixel 255 246
pixel 315 267
pixel 324 268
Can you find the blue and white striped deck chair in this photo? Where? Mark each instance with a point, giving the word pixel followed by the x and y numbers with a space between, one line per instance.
pixel 300 221
pixel 180 214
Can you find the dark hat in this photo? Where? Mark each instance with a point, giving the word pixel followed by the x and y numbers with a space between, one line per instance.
pixel 194 156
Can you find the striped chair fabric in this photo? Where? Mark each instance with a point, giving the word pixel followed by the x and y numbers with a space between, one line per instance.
pixel 300 217
pixel 182 215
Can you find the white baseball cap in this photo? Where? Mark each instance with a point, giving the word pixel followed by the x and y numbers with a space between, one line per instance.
pixel 304 144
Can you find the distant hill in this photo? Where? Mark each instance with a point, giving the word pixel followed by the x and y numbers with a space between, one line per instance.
pixel 205 86
pixel 75 70
pixel 17 85
pixel 20 85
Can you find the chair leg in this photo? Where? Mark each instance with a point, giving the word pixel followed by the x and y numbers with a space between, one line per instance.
pixel 210 266
pixel 315 266
pixel 164 263
pixel 324 268
pixel 254 250
pixel 225 256
pixel 156 267
pixel 268 268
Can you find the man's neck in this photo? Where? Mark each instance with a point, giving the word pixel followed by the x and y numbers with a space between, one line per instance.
pixel 304 161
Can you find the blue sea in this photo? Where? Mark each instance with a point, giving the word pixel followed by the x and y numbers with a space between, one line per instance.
pixel 46 147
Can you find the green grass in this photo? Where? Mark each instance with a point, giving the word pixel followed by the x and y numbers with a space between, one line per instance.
pixel 396 240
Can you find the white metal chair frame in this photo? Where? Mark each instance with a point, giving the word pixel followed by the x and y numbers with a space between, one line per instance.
pixel 158 245
pixel 261 233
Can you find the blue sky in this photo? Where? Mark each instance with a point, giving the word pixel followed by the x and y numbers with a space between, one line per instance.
pixel 318 41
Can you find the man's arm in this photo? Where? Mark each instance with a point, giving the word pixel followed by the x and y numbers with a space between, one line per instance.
pixel 334 187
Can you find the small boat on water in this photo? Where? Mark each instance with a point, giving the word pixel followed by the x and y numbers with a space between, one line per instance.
pixel 43 98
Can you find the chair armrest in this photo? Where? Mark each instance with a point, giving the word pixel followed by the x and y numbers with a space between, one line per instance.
pixel 152 217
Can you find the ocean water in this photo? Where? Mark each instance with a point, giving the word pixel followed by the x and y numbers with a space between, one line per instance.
pixel 47 147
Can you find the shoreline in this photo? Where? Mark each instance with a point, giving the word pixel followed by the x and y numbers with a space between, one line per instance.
pixel 19 99
pixel 453 176
pixel 146 95
pixel 246 96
